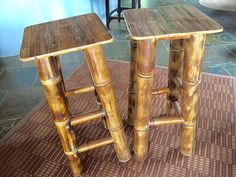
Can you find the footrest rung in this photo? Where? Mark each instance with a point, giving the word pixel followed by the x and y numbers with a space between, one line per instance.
pixel 95 144
pixel 78 91
pixel 159 91
pixel 166 120
pixel 87 117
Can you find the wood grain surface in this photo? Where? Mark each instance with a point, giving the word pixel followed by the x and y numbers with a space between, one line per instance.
pixel 168 22
pixel 63 36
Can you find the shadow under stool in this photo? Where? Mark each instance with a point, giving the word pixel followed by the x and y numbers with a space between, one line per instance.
pixel 43 43
pixel 186 28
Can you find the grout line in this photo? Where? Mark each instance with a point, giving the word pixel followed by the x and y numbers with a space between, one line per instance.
pixel 4 97
pixel 226 70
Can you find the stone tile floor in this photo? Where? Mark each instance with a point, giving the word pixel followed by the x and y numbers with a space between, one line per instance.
pixel 20 88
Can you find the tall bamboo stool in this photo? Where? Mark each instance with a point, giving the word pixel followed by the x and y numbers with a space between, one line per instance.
pixel 43 43
pixel 186 28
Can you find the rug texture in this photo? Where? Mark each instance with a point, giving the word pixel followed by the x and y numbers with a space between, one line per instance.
pixel 33 147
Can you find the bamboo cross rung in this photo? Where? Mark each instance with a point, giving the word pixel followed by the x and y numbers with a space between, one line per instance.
pixel 87 117
pixel 159 91
pixel 178 82
pixel 95 144
pixel 166 120
pixel 78 91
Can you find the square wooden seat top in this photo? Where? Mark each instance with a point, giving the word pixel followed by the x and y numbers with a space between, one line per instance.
pixel 63 36
pixel 168 22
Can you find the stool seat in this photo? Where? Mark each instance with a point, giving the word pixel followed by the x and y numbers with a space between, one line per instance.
pixel 168 22
pixel 63 36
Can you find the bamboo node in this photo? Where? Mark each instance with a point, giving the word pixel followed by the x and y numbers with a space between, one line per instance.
pixel 196 83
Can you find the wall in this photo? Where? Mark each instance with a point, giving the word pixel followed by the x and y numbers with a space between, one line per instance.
pixel 17 14
pixel 229 5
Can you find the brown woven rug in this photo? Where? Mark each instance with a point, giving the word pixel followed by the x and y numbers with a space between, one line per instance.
pixel 33 147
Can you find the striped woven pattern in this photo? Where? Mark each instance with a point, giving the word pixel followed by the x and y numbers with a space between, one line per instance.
pixel 33 147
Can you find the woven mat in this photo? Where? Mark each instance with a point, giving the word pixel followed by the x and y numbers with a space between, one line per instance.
pixel 33 147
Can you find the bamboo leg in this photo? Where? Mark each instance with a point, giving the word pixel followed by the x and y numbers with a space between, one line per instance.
pixel 143 96
pixel 50 76
pixel 193 54
pixel 100 105
pixel 175 69
pixel 131 102
pixel 101 78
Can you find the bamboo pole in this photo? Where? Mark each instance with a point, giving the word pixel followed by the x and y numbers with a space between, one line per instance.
pixel 194 49
pixel 143 96
pixel 87 117
pixel 132 82
pixel 101 79
pixel 51 77
pixel 78 91
pixel 175 70
pixel 100 105
pixel 95 144
pixel 160 91
pixel 166 120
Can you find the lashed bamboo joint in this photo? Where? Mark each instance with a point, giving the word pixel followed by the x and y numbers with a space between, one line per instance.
pixel 78 91
pixel 94 144
pixel 87 117
pixel 178 82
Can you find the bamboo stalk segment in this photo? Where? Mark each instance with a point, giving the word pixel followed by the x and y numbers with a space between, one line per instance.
pixel 94 144
pixel 175 73
pixel 143 96
pixel 78 91
pixel 166 120
pixel 132 82
pixel 194 50
pixel 87 117
pixel 160 91
pixel 50 76
pixel 101 79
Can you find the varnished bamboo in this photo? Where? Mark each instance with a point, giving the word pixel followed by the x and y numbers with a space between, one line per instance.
pixel 50 76
pixel 94 144
pixel 160 91
pixel 143 96
pixel 100 105
pixel 78 91
pixel 166 120
pixel 87 117
pixel 101 79
pixel 132 82
pixel 175 71
pixel 193 49
pixel 168 22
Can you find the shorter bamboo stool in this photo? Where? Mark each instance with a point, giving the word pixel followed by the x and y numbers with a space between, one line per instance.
pixel 43 43
pixel 186 28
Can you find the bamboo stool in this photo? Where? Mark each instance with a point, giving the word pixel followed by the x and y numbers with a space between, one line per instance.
pixel 43 43
pixel 186 28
